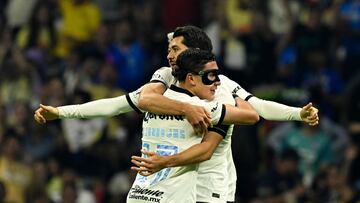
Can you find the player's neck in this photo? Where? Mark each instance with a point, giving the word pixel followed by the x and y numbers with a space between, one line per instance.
pixel 187 87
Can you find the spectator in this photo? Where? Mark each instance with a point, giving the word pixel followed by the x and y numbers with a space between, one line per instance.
pixel 283 181
pixel 349 36
pixel 128 56
pixel 15 174
pixel 313 145
pixel 73 191
pixel 15 82
pixel 331 186
pixel 324 84
pixel 40 31
pixel 307 35
pixel 37 38
pixel 17 14
pixel 353 127
pixel 81 19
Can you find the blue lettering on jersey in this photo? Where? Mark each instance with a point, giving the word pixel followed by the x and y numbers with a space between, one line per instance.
pixel 161 132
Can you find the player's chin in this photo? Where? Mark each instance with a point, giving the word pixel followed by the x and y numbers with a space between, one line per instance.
pixel 211 96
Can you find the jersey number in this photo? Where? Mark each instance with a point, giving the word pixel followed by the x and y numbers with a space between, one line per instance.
pixel 162 150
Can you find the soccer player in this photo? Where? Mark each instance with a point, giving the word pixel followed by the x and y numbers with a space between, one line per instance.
pixel 197 74
pixel 152 100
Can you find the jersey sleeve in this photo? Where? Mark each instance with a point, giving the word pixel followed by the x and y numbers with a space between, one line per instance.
pixel 221 129
pixel 269 110
pixel 98 108
pixel 133 99
pixel 163 75
pixel 217 111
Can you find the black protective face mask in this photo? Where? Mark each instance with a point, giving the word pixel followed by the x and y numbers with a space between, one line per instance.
pixel 208 77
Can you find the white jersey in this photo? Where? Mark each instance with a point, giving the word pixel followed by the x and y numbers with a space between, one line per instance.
pixel 267 109
pixel 168 135
pixel 215 174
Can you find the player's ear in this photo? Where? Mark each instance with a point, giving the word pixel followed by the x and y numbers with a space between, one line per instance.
pixel 190 78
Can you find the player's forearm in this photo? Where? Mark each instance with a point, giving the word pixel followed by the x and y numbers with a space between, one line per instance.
pixel 240 116
pixel 270 110
pixel 267 109
pixel 159 104
pixel 98 108
pixel 195 154
pixel 152 100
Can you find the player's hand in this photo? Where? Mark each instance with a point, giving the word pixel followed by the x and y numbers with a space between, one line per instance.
pixel 46 113
pixel 309 114
pixel 150 165
pixel 199 118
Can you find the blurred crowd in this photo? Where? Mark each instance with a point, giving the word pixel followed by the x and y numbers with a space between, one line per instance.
pixel 59 52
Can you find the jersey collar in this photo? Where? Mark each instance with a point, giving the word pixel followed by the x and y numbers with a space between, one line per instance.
pixel 182 90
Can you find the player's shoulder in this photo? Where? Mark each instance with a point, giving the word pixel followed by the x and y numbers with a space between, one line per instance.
pixel 223 77
pixel 183 95
pixel 163 71
pixel 210 105
pixel 164 68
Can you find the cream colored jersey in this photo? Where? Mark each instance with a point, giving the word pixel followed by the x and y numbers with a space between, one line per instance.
pixel 217 175
pixel 267 109
pixel 168 135
pixel 213 175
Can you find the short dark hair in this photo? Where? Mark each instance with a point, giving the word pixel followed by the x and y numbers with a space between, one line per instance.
pixel 191 60
pixel 194 37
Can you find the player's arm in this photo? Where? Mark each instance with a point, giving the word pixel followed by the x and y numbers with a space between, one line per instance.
pixel 98 108
pixel 241 115
pixel 279 112
pixel 195 154
pixel 271 110
pixel 151 99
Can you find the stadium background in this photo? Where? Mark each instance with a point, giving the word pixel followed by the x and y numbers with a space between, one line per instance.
pixel 59 52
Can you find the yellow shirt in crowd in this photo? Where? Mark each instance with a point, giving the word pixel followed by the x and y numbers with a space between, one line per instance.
pixel 16 178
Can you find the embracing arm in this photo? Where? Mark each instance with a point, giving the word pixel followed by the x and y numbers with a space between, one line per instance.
pixel 240 116
pixel 151 99
pixel 195 154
